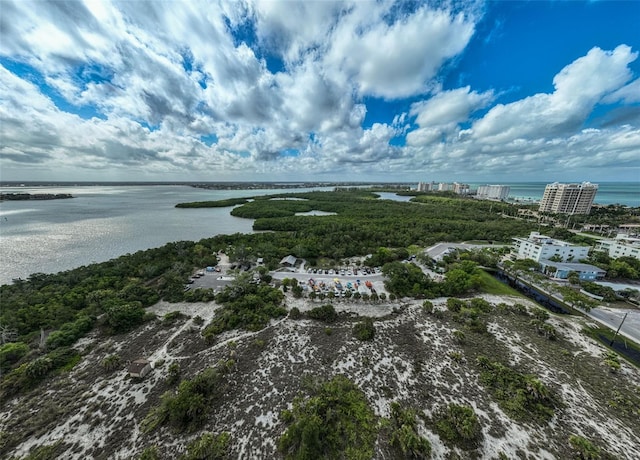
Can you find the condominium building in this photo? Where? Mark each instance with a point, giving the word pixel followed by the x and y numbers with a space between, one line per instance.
pixel 621 246
pixel 568 198
pixel 461 189
pixel 456 187
pixel 493 192
pixel 540 247
pixel 427 186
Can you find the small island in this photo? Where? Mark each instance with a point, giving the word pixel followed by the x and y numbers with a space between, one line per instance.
pixel 33 196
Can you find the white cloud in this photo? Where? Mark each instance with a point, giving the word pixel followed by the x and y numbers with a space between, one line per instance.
pixel 163 74
pixel 578 88
pixel 399 59
pixel 448 107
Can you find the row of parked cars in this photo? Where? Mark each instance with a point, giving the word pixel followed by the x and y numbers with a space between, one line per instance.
pixel 345 272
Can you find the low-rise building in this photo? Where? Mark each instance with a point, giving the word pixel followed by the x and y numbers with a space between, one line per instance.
pixel 540 247
pixel 621 246
pixel 139 368
pixel 561 270
pixel 289 261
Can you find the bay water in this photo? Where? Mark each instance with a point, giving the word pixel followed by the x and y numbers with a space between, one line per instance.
pixel 103 222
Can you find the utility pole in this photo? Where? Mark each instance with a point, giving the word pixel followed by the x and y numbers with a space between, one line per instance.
pixel 614 335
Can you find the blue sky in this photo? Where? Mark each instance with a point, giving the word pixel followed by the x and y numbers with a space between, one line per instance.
pixel 324 91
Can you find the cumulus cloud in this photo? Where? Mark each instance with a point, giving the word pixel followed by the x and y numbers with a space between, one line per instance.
pixel 399 59
pixel 441 114
pixel 191 89
pixel 578 88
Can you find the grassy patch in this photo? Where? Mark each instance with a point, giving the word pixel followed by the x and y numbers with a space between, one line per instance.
pixel 628 349
pixel 490 285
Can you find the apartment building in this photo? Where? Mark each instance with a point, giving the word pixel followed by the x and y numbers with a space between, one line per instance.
pixel 456 187
pixel 540 247
pixel 621 246
pixel 568 198
pixel 493 192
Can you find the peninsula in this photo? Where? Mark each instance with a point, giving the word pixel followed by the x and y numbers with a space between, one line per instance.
pixel 33 196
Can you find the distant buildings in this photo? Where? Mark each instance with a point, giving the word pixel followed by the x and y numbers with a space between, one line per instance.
pixel 455 187
pixel 621 246
pixel 493 192
pixel 568 198
pixel 540 247
pixel 427 186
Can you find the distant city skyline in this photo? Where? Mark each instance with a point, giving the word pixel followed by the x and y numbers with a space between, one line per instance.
pixel 475 92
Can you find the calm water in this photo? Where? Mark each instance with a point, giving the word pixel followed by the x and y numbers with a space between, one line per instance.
pixel 101 223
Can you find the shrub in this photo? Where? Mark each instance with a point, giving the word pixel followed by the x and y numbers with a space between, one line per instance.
pixel 111 362
pixel 70 332
pixel 455 305
pixel 586 450
pixel 198 320
pixel 540 314
pixel 427 306
pixel 173 373
pixel 521 396
pixel 481 304
pixel 11 353
pixel 188 408
pixel 294 313
pixel 172 317
pixel 459 424
pixel 324 313
pixel 150 453
pixel 124 317
pixel 458 336
pixel 404 434
pixel 209 447
pixel 334 422
pixel 519 309
pixel 245 306
pixel 364 330
pixel 612 360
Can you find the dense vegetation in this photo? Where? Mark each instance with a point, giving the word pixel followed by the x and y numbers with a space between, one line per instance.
pixel 521 396
pixel 247 306
pixel 213 204
pixel 458 424
pixel 188 408
pixel 404 435
pixel 408 280
pixel 364 330
pixel 335 421
pixel 622 267
pixel 363 224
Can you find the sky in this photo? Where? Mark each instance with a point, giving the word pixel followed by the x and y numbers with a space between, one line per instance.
pixel 502 91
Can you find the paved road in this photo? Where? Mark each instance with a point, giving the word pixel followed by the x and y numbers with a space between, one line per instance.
pixel 612 317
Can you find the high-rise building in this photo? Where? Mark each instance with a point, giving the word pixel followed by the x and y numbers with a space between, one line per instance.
pixel 461 189
pixel 493 192
pixel 426 186
pixel 568 198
